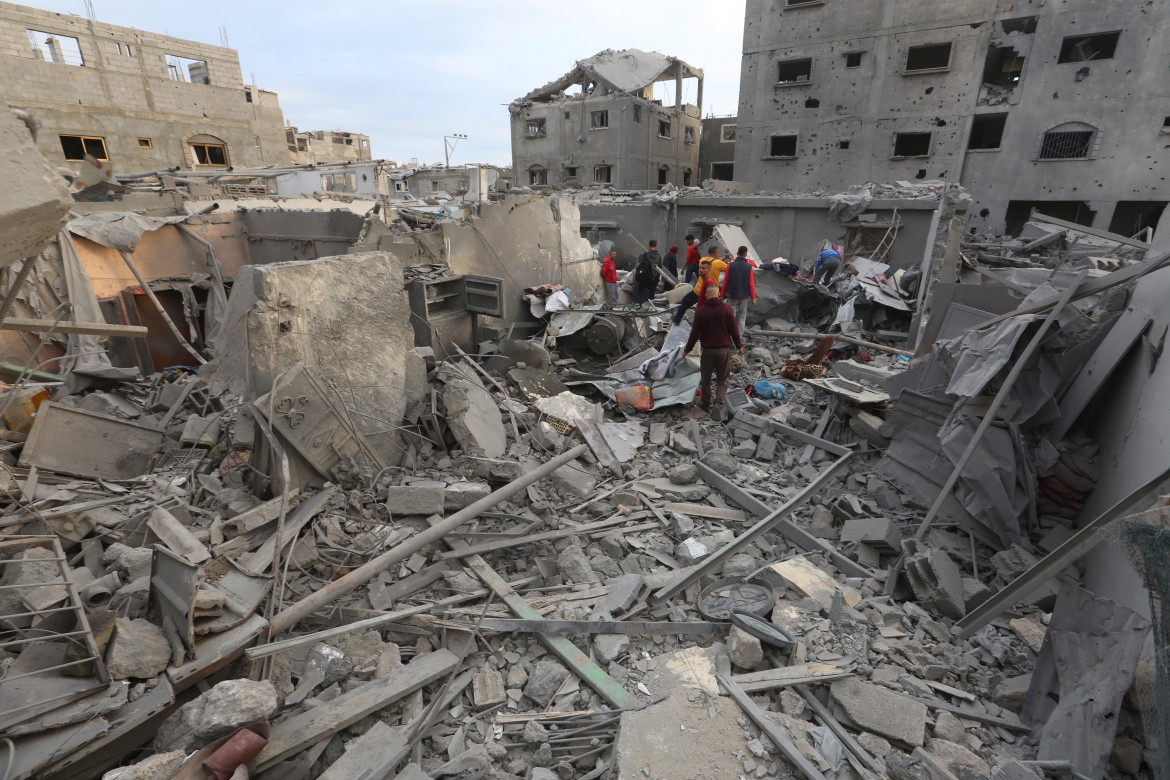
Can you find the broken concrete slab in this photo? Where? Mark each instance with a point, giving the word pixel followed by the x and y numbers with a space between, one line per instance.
pixel 474 417
pixel 460 495
pixel 139 649
pixel 422 497
pixel 936 580
pixel 224 708
pixel 875 709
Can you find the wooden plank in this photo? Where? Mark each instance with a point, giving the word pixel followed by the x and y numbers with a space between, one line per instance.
pixel 815 583
pixel 585 667
pixel 702 510
pixel 504 544
pixel 78 328
pixel 292 735
pixel 372 756
pixel 785 676
pixel 81 443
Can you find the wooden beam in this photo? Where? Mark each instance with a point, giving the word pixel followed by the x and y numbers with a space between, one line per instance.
pixel 79 328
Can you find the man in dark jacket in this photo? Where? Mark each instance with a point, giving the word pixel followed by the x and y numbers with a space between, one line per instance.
pixel 670 263
pixel 715 328
pixel 646 273
pixel 739 287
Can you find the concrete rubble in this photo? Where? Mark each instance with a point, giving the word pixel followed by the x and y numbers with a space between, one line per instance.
pixel 354 523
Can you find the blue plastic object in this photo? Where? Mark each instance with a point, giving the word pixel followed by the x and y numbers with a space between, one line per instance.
pixel 766 389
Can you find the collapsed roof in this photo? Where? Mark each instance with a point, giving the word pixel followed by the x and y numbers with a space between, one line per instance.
pixel 628 70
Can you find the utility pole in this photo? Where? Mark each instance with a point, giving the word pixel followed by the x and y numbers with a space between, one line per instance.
pixel 449 144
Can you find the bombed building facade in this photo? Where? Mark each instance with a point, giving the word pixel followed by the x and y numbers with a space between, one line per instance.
pixel 619 118
pixel 1055 106
pixel 326 146
pixel 137 100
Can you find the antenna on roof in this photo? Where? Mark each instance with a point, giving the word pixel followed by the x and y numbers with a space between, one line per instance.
pixel 223 37
pixel 89 11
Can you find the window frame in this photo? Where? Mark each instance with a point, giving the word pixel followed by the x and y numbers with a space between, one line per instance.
pixel 541 125
pixel 608 174
pixel 148 145
pixel 603 114
pixel 1069 42
pixel 194 145
pixel 669 128
pixel 1002 115
pixel 906 69
pixel 82 139
pixel 1091 143
pixel 860 55
pixel 723 139
pixel 537 176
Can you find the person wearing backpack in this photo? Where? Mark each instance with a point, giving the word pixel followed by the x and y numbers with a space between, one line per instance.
pixel 646 273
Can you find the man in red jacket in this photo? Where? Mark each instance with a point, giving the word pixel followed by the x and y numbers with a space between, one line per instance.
pixel 609 277
pixel 693 257
pixel 715 328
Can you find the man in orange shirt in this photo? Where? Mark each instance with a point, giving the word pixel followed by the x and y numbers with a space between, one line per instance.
pixel 697 295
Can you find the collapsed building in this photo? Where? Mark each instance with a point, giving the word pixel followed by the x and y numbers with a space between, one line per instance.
pixel 326 488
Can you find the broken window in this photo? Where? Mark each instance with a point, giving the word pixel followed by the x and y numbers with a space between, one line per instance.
pixel 727 134
pixel 1131 217
pixel 1073 143
pixel 571 172
pixel 145 143
pixel 794 71
pixel 248 95
pixel 912 144
pixel 537 175
pixel 349 142
pixel 1082 48
pixel 663 128
pixel 638 114
pixel 599 120
pixel 1023 24
pixel 782 146
pixel 183 69
pixel 535 128
pixel 339 182
pixel 1166 125
pixel 843 143
pixel 302 145
pixel 214 155
pixel 1003 66
pixel 687 177
pixel 1020 211
pixel 603 173
pixel 688 135
pixel 987 131
pixel 76 147
pixel 51 47
pixel 723 171
pixel 663 172
pixel 853 59
pixel 928 57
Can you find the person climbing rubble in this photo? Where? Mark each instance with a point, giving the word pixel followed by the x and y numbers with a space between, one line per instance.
pixel 828 261
pixel 646 274
pixel 715 329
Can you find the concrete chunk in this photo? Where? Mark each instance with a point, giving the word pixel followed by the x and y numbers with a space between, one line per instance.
pixel 487 689
pixel 622 593
pixel 418 498
pixel 139 649
pixel 544 681
pixel 875 531
pixel 875 709
pixel 474 417
pixel 224 708
pixel 936 581
pixel 464 494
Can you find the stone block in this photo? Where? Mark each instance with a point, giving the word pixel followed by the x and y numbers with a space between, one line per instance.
pixel 1012 692
pixel 574 566
pixel 474 417
pixel 766 448
pixel 623 591
pixel 880 711
pixel 417 498
pixel 139 649
pixel 878 532
pixel 487 689
pixel 544 681
pixel 219 711
pixel 464 494
pixel 609 647
pixel 744 649
pixel 936 581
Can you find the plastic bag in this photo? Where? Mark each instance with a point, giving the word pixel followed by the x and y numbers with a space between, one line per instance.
pixel 766 389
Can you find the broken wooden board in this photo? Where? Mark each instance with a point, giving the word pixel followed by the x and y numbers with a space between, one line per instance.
pixel 372 756
pixel 713 512
pixel 294 734
pixel 785 676
pixel 82 443
pixel 852 391
pixel 216 651
pixel 813 582
pixel 66 327
pixel 633 627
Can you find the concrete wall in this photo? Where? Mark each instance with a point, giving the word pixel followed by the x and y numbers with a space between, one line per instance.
pixel 863 107
pixel 124 97
pixel 526 241
pixel 712 146
pixel 299 183
pixel 326 146
pixel 631 144
pixel 792 228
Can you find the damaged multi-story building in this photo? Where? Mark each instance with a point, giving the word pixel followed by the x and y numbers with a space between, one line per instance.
pixel 137 100
pixel 1053 106
pixel 326 146
pixel 619 118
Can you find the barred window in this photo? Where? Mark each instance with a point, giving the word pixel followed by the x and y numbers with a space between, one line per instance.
pixel 1066 145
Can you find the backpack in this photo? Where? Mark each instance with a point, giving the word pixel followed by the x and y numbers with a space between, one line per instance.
pixel 644 272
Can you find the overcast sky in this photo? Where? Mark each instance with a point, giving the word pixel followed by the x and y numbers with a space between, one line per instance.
pixel 408 73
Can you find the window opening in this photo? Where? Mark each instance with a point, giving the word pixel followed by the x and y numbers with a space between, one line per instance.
pixel 1066 145
pixel 987 131
pixel 782 146
pixel 535 128
pixel 912 145
pixel 76 147
pixel 1083 48
pixel 794 71
pixel 52 47
pixel 145 143
pixel 662 174
pixel 537 176
pixel 340 182
pixel 1024 24
pixel 183 69
pixel 599 120
pixel 663 129
pixel 853 59
pixel 727 133
pixel 688 135
pixel 1003 66
pixel 723 171
pixel 930 56
pixel 210 154
pixel 603 173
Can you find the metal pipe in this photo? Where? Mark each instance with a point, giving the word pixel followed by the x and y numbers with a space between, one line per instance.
pixel 795 334
pixel 363 574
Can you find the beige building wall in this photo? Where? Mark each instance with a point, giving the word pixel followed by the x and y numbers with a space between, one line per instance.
pixel 326 146
pixel 88 79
